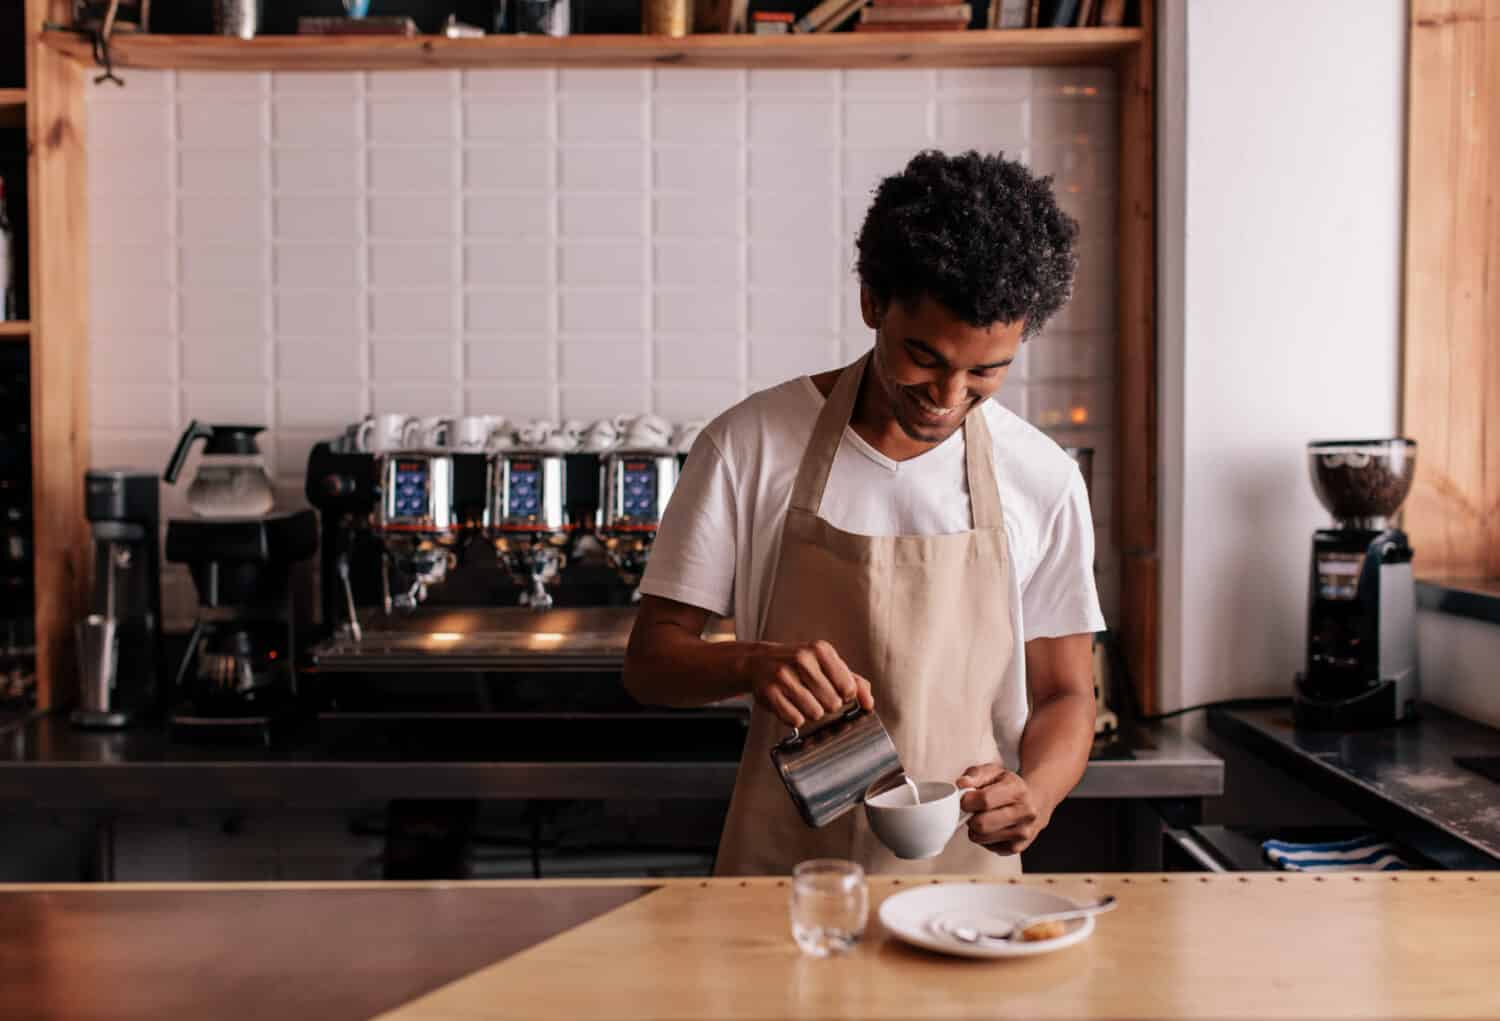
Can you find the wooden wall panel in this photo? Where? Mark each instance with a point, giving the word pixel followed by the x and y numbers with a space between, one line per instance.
pixel 59 350
pixel 1451 323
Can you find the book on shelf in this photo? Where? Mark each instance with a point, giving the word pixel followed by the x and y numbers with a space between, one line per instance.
pixel 1087 9
pixel 828 15
pixel 923 12
pixel 1007 14
pixel 1056 13
pixel 1111 13
pixel 912 26
pixel 378 25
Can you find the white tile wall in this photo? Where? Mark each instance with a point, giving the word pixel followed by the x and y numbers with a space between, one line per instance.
pixel 302 249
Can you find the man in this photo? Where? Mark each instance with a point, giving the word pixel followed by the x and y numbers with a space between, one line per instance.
pixel 887 533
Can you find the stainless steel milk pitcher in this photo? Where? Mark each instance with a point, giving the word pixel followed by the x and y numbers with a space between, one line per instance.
pixel 828 766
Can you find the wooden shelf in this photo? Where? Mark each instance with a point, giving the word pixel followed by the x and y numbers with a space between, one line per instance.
pixel 13 329
pixel 12 97
pixel 1030 47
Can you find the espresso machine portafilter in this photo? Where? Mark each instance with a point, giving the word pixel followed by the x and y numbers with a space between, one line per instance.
pixel 528 520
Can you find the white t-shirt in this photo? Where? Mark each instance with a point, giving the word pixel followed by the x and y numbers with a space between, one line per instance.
pixel 721 532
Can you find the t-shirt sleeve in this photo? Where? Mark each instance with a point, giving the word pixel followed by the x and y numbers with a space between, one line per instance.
pixel 1060 598
pixel 693 557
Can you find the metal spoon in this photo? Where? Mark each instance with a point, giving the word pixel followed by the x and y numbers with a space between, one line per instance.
pixel 966 934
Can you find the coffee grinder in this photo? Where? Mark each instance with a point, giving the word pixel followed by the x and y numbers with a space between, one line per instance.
pixel 1362 614
pixel 119 638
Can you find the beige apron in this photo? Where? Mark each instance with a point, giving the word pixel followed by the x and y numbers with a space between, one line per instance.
pixel 926 618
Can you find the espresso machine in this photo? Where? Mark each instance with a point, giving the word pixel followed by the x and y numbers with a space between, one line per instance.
pixel 1361 668
pixel 119 638
pixel 637 484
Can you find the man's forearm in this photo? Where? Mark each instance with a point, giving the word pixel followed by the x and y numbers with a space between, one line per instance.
pixel 666 665
pixel 1055 746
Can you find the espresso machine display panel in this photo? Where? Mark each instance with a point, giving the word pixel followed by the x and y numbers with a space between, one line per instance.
pixel 531 494
pixel 417 494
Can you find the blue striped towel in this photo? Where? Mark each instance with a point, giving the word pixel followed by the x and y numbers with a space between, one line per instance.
pixel 1367 853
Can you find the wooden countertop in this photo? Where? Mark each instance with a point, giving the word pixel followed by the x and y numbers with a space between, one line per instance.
pixel 1180 945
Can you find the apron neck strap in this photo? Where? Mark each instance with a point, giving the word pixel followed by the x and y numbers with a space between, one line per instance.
pixel 828 431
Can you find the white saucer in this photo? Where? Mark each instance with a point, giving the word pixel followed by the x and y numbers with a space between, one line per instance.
pixel 926 915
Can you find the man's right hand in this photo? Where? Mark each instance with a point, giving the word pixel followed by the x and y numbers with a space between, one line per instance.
pixel 803 683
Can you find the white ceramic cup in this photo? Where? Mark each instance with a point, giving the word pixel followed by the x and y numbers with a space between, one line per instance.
pixel 686 433
pixel 391 431
pixel 535 433
pixel 600 436
pixel 649 431
pixel 919 830
pixel 476 433
pixel 571 431
pixel 435 432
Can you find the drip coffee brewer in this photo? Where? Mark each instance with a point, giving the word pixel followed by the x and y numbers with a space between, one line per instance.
pixel 1361 666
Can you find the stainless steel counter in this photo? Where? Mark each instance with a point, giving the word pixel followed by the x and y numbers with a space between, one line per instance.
pixel 47 761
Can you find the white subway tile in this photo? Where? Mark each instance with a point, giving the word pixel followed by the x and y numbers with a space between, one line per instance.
pixel 237 219
pixel 599 309
pixel 127 128
pixel 886 123
pixel 333 359
pixel 619 82
pixel 221 124
pixel 143 172
pixel 131 448
pixel 904 83
pixel 411 264
pixel 796 123
pixel 221 85
pixel 324 123
pixel 594 120
pixel 223 402
pixel 321 406
pixel 145 87
pixel 708 170
pixel 315 83
pixel 411 312
pixel 508 358
pixel 1096 214
pixel 982 124
pixel 692 309
pixel 520 168
pixel 1074 168
pixel 508 122
pixel 533 82
pixel 133 358
pixel 315 171
pixel 684 264
pixel 413 83
pixel 1080 121
pixel 602 216
pixel 698 356
pixel 594 402
pixel 790 264
pixel 143 219
pixel 864 169
pixel 681 402
pixel 702 215
pixel 513 402
pixel 415 399
pixel 785 357
pixel 411 121
pixel 517 310
pixel 780 82
pixel 413 361
pixel 317 313
pixel 222 311
pixel 705 121
pixel 307 264
pixel 699 81
pixel 136 310
pixel 220 172
pixel 603 168
pixel 852 347
pixel 808 217
pixel 290 449
pixel 1073 82
pixel 775 312
pixel 1059 356
pixel 618 359
pixel 603 262
pixel 213 265
pixel 123 265
pixel 412 218
pixel 801 169
pixel 325 218
pixel 511 216
pixel 1001 82
pixel 506 265
pixel 131 406
pixel 223 359
pixel 413 170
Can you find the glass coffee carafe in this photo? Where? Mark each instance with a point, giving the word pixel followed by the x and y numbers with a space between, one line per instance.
pixel 231 480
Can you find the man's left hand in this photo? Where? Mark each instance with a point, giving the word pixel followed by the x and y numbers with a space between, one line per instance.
pixel 1008 814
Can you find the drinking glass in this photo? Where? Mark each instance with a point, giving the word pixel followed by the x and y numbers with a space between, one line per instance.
pixel 830 903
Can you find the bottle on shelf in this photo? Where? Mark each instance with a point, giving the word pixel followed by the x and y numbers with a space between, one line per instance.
pixel 9 298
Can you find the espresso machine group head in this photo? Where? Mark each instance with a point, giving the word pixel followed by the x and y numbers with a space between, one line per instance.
pixel 529 520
